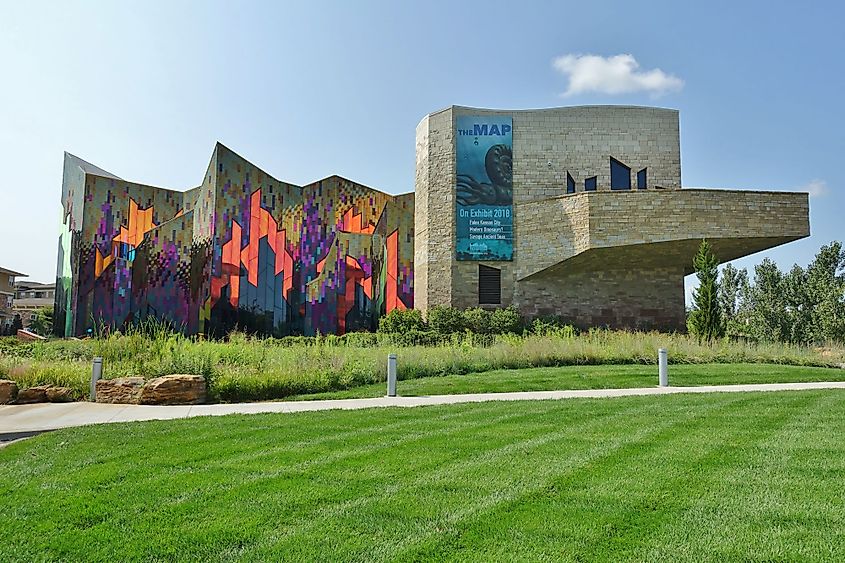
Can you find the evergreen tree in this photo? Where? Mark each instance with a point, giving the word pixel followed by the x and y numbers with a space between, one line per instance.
pixel 705 320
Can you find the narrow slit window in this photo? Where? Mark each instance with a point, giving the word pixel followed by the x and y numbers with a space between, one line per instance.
pixel 489 285
pixel 642 179
pixel 570 184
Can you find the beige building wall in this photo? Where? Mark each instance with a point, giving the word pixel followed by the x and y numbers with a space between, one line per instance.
pixel 637 298
pixel 434 211
pixel 600 258
pixel 547 144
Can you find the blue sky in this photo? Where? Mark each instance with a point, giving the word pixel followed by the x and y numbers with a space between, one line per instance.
pixel 144 89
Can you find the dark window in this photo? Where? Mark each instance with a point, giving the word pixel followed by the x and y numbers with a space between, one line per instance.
pixel 570 184
pixel 620 175
pixel 642 179
pixel 590 184
pixel 489 285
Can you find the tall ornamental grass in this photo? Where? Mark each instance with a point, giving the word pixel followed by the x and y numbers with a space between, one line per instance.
pixel 243 368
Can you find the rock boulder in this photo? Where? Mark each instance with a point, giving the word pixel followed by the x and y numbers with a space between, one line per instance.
pixel 8 391
pixel 37 394
pixel 120 390
pixel 60 394
pixel 176 389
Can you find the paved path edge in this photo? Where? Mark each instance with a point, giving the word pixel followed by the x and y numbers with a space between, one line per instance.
pixel 51 416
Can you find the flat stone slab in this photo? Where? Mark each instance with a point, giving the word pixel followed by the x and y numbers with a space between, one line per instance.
pixel 50 416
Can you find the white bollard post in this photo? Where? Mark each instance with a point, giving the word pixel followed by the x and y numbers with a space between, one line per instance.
pixel 391 375
pixel 96 375
pixel 663 367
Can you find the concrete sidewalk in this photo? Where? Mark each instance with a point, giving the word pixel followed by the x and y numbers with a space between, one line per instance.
pixel 50 416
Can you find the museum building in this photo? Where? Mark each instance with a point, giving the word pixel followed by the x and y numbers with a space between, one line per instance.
pixel 583 214
pixel 573 211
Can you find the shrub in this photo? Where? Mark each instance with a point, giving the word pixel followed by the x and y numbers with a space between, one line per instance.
pixel 289 341
pixel 445 320
pixel 506 321
pixel 477 320
pixel 401 321
pixel 418 338
pixel 552 326
pixel 360 339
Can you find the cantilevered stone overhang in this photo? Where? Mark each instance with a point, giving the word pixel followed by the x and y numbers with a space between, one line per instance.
pixel 652 229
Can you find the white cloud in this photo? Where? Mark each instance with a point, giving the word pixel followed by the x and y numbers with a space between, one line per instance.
pixel 619 74
pixel 816 188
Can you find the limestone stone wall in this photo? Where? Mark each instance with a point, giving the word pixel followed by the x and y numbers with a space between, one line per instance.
pixel 434 211
pixel 634 298
pixel 548 143
pixel 638 217
pixel 600 258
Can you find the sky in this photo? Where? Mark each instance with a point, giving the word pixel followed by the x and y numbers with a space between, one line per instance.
pixel 310 89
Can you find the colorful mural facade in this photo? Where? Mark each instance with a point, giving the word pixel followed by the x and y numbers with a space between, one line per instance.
pixel 241 251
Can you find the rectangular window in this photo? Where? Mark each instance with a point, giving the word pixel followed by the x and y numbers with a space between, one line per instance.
pixel 489 285
pixel 570 184
pixel 642 179
pixel 590 184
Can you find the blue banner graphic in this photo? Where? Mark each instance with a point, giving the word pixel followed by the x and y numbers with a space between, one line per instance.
pixel 484 192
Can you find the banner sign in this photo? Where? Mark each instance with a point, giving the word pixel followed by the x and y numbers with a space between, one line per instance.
pixel 484 193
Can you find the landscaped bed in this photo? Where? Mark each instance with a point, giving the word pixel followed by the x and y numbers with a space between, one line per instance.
pixel 716 477
pixel 249 369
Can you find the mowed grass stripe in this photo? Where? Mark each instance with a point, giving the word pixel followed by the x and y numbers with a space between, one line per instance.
pixel 354 453
pixel 215 515
pixel 625 512
pixel 310 451
pixel 176 481
pixel 781 499
pixel 407 504
pixel 704 477
pixel 395 475
pixel 606 454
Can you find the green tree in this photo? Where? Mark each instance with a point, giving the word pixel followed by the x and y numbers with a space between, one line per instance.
pixel 705 320
pixel 767 319
pixel 797 306
pixel 731 292
pixel 734 292
pixel 825 289
pixel 43 322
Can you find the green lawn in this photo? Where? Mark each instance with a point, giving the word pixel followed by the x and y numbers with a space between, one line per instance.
pixel 589 377
pixel 717 477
